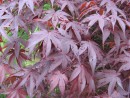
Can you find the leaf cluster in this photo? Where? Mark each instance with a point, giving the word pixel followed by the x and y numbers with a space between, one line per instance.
pixel 65 48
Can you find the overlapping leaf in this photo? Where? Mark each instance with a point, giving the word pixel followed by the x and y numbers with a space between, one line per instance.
pixel 125 62
pixel 58 79
pixel 93 52
pixel 29 4
pixel 67 42
pixel 68 45
pixel 55 16
pixel 110 77
pixel 4 69
pixel 78 30
pixel 71 6
pixel 92 19
pixel 111 6
pixel 59 59
pixel 17 93
pixel 83 77
pixel 28 79
pixel 47 37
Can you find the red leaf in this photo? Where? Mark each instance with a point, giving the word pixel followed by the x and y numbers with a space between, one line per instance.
pixel 1 1
pixel 81 74
pixel 111 77
pixel 58 78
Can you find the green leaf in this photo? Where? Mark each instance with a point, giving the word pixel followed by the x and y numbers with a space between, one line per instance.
pixel 47 6
pixel 2 96
pixel 22 34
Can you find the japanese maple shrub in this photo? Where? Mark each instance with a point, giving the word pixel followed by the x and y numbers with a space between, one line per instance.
pixel 77 48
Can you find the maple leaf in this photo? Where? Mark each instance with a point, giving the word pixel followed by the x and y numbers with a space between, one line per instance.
pixel 64 32
pixel 29 4
pixel 84 77
pixel 47 37
pixel 3 70
pixel 18 22
pixel 88 4
pixel 14 22
pixel 28 79
pixel 68 44
pixel 59 59
pixel 114 18
pixel 105 35
pixel 92 19
pixel 93 52
pixel 124 59
pixel 110 77
pixel 71 6
pixel 77 28
pixel 87 7
pixel 44 66
pixel 58 78
pixel 111 6
pixel 17 93
pixel 116 94
pixel 13 49
pixel 30 85
pixel 55 16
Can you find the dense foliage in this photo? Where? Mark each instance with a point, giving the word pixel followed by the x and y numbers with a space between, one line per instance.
pixel 77 48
